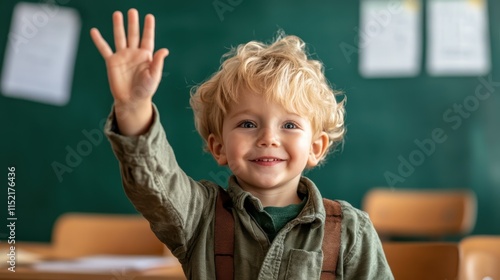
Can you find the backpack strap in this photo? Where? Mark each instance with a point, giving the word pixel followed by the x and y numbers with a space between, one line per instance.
pixel 331 239
pixel 224 237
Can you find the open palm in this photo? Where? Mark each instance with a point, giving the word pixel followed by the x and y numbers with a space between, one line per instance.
pixel 134 72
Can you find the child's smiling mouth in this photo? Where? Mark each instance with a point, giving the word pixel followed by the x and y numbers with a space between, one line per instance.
pixel 267 161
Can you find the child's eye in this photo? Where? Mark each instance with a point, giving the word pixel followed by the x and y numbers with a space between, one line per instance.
pixel 247 124
pixel 289 125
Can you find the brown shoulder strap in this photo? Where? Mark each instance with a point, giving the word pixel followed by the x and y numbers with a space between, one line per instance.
pixel 224 237
pixel 331 239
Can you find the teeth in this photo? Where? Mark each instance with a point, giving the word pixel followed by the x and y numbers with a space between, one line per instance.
pixel 267 159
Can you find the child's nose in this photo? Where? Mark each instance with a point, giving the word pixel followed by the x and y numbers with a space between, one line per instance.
pixel 268 137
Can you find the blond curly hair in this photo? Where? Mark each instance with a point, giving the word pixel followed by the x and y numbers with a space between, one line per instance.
pixel 282 73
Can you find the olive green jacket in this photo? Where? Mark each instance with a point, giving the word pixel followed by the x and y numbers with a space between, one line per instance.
pixel 181 213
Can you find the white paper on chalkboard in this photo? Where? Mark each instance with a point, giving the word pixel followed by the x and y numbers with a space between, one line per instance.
pixel 40 54
pixel 458 38
pixel 390 38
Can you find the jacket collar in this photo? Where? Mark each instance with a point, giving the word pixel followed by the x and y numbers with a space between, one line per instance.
pixel 313 212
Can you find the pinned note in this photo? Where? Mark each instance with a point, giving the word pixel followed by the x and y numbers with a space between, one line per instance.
pixel 390 38
pixel 41 51
pixel 458 38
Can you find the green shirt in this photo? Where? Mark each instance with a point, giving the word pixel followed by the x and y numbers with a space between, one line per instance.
pixel 273 219
pixel 181 212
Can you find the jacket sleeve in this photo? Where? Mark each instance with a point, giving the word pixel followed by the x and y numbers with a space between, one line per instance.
pixel 172 202
pixel 361 253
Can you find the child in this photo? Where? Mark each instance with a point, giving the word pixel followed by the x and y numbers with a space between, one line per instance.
pixel 267 114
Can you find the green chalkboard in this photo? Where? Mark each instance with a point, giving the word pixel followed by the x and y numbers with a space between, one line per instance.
pixel 387 119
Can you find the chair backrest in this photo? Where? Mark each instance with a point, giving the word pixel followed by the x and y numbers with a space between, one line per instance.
pixel 79 234
pixel 425 213
pixel 480 257
pixel 422 260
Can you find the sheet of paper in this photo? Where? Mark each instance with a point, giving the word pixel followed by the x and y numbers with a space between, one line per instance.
pixel 390 38
pixel 40 54
pixel 458 38
pixel 106 263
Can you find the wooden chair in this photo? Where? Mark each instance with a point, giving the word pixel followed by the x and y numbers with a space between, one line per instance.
pixel 422 260
pixel 479 258
pixel 78 234
pixel 420 213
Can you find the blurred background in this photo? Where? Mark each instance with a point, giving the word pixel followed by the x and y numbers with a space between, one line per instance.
pixel 402 132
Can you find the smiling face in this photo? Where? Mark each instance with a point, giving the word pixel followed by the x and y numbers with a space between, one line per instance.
pixel 266 147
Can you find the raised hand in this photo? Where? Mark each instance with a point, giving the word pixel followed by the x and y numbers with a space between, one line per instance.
pixel 134 71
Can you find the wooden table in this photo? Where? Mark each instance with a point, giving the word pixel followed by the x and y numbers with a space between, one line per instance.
pixel 170 273
pixel 25 272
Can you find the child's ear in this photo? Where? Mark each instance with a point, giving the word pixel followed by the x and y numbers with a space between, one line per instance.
pixel 318 149
pixel 217 149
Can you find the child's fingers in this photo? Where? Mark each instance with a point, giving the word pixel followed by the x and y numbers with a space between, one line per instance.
pixel 100 43
pixel 157 63
pixel 133 28
pixel 148 34
pixel 119 31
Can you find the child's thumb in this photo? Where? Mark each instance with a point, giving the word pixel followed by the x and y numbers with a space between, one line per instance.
pixel 157 63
